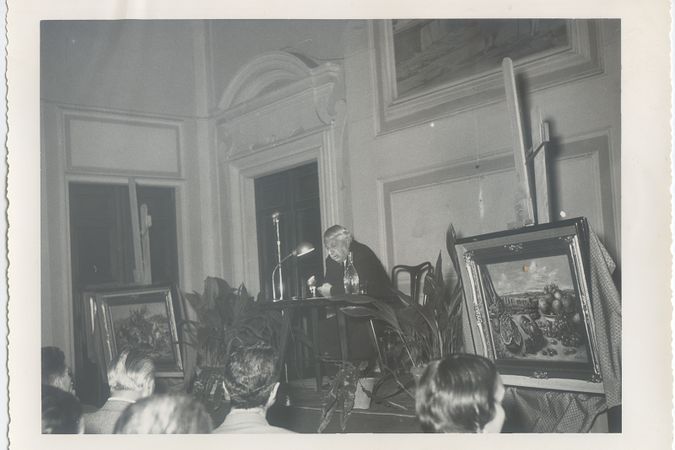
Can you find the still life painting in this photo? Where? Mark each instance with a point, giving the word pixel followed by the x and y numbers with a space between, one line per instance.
pixel 142 318
pixel 529 302
pixel 535 307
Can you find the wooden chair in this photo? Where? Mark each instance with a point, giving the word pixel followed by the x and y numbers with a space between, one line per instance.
pixel 416 274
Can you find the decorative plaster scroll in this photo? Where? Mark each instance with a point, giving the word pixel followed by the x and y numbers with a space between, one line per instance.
pixel 275 97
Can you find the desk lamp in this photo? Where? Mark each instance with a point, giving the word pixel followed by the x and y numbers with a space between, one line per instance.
pixel 302 249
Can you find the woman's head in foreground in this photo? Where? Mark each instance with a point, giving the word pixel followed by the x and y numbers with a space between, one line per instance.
pixel 460 394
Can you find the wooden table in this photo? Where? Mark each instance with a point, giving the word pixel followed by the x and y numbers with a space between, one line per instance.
pixel 288 309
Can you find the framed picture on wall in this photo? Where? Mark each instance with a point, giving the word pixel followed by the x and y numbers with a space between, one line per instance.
pixel 429 68
pixel 529 310
pixel 142 318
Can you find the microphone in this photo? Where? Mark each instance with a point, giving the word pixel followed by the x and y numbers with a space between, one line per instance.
pixel 275 216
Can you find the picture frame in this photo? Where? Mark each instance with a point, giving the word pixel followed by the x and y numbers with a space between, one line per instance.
pixel 528 305
pixel 432 68
pixel 143 318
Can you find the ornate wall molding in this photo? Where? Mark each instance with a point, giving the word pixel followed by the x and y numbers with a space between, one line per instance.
pixel 275 97
pixel 280 111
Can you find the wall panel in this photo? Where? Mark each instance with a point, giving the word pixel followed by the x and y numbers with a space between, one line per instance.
pixel 478 198
pixel 115 145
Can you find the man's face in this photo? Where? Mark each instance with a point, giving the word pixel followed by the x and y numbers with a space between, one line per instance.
pixel 338 249
pixel 65 382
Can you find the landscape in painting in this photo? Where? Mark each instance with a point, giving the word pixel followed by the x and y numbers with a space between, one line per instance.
pixel 534 310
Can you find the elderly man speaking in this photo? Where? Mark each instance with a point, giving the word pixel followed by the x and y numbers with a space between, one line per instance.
pixel 340 243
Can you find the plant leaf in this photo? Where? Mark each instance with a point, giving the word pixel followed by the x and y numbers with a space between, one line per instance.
pixel 358 299
pixel 450 242
pixel 327 413
pixel 438 272
pixel 360 312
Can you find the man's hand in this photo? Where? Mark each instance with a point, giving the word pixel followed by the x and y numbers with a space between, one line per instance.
pixel 324 289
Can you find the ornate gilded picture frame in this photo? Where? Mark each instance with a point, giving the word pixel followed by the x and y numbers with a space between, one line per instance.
pixel 430 68
pixel 143 318
pixel 528 305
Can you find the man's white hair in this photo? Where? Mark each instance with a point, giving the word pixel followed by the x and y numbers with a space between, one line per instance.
pixel 131 371
pixel 337 232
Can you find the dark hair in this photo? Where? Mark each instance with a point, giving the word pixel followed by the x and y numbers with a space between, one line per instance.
pixel 457 394
pixel 250 375
pixel 61 411
pixel 53 365
pixel 164 414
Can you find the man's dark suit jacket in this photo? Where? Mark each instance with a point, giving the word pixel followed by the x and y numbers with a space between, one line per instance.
pixel 369 268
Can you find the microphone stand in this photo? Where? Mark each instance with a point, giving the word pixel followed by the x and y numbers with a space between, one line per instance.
pixel 275 220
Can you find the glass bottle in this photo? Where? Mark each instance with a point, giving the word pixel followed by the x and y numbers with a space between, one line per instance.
pixel 351 276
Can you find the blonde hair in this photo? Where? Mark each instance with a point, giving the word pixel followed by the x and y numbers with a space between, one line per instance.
pixel 131 371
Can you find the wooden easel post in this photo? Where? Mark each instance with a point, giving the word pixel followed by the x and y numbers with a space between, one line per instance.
pixel 538 156
pixel 525 211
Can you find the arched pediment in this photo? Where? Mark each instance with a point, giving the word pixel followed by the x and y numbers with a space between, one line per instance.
pixel 274 97
pixel 266 73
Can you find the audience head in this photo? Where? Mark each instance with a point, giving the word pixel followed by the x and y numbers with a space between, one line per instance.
pixel 337 240
pixel 61 412
pixel 55 372
pixel 250 377
pixel 164 414
pixel 460 394
pixel 132 371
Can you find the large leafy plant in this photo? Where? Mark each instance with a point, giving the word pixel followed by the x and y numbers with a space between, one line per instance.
pixel 227 317
pixel 426 332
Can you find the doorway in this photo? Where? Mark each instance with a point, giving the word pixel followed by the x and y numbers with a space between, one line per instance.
pixel 105 253
pixel 294 194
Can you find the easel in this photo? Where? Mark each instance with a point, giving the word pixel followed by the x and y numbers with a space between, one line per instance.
pixel 526 213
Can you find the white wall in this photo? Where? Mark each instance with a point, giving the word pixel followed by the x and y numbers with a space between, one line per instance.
pixel 139 66
pixel 408 185
pixel 402 189
pixel 116 97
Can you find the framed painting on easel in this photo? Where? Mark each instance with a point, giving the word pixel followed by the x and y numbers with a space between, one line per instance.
pixel 528 302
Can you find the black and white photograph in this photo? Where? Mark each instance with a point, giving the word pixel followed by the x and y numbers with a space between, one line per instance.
pixel 363 226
